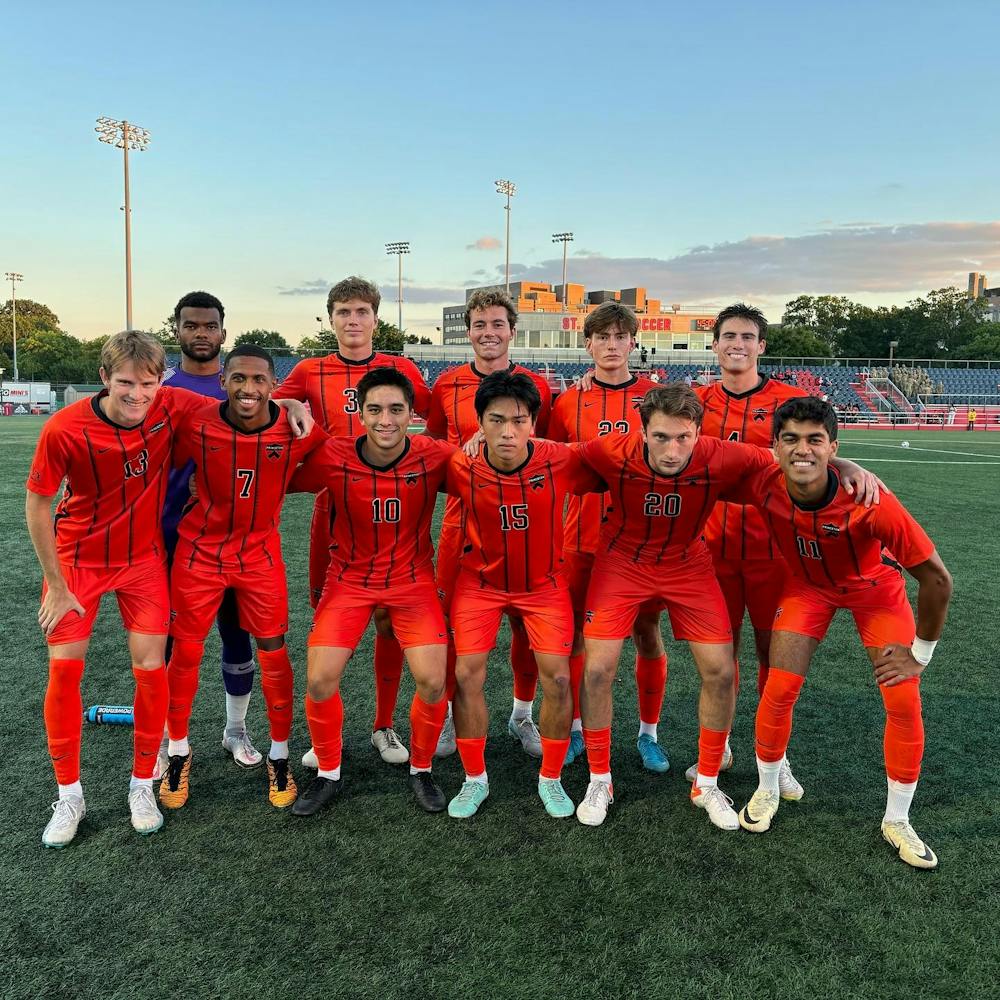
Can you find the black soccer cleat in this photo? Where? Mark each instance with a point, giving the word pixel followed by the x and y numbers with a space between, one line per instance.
pixel 427 792
pixel 319 793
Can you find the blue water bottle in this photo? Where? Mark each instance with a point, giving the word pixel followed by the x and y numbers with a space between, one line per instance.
pixel 109 715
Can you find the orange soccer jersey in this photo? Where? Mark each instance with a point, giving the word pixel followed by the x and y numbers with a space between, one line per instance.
pixel 116 478
pixel 736 531
pixel 582 416
pixel 654 516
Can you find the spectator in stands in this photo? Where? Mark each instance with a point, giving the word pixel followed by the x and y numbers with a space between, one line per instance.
pixel 970 420
pixel 687 379
pixel 952 413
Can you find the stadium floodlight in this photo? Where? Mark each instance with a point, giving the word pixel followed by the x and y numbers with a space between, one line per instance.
pixel 398 249
pixel 125 135
pixel 564 239
pixel 13 277
pixel 893 344
pixel 508 188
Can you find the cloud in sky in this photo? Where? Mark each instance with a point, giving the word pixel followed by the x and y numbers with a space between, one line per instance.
pixel 423 294
pixel 485 243
pixel 318 286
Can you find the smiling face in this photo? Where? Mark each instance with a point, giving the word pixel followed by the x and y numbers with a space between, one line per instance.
pixel 200 333
pixel 386 416
pixel 507 425
pixel 738 346
pixel 669 442
pixel 248 382
pixel 130 393
pixel 804 449
pixel 490 332
pixel 354 323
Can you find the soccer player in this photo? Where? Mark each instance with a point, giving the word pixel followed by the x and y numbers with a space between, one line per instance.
pixel 513 493
pixel 382 489
pixel 199 318
pixel 244 457
pixel 330 386
pixel 490 319
pixel 740 407
pixel 834 551
pixel 113 451
pixel 608 404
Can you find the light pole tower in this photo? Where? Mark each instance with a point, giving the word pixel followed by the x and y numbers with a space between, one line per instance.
pixel 509 189
pixel 124 135
pixel 564 239
pixel 399 249
pixel 13 277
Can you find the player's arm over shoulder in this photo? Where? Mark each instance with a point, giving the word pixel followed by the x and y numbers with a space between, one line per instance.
pixel 582 477
pixel 317 471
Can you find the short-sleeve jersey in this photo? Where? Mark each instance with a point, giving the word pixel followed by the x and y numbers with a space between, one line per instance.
pixel 380 516
pixel 242 477
pixel 513 520
pixel 654 516
pixel 736 531
pixel 582 416
pixel 330 386
pixel 837 544
pixel 116 478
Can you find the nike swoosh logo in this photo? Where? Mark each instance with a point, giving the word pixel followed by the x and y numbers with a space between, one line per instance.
pixel 215 447
pixel 356 479
pixel 586 405
pixel 101 451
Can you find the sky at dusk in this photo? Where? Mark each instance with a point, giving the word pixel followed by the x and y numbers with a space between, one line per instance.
pixel 734 151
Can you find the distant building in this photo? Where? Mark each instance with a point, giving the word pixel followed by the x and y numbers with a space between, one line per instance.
pixel 977 284
pixel 544 322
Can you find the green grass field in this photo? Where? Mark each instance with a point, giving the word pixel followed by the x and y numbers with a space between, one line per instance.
pixel 234 899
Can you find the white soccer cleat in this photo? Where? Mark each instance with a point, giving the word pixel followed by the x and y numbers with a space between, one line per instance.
pixel 67 814
pixel 446 741
pixel 788 786
pixel 727 762
pixel 162 759
pixel 309 759
pixel 146 815
pixel 245 754
pixel 388 744
pixel 527 732
pixel 911 848
pixel 757 814
pixel 593 810
pixel 717 804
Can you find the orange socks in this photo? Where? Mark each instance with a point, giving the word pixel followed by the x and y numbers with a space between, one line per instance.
pixel 473 754
pixel 553 755
pixel 63 711
pixel 522 664
pixel 711 746
pixel 651 683
pixel 277 684
pixel 904 730
pixel 598 743
pixel 326 727
pixel 182 684
pixel 774 714
pixel 425 728
pixel 388 674
pixel 149 713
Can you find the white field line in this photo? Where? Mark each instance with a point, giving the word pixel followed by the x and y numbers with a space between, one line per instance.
pixel 936 451
pixel 919 461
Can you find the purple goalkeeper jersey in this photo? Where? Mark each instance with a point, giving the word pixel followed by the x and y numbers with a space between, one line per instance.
pixel 178 493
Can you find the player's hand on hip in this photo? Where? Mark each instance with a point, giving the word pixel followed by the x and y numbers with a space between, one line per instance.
pixel 472 446
pixel 57 603
pixel 299 417
pixel 896 664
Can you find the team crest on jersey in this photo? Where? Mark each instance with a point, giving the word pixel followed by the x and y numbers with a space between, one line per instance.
pixel 157 426
pixel 274 450
pixel 693 481
pixel 537 482
pixel 636 400
pixel 588 616
pixel 830 529
pixel 760 414
pixel 777 613
pixel 410 479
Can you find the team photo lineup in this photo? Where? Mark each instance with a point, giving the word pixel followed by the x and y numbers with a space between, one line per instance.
pixel 584 521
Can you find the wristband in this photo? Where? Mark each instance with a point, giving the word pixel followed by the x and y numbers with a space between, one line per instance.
pixel 922 650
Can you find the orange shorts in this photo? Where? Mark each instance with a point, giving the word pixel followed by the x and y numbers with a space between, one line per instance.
pixel 753 584
pixel 688 591
pixel 476 612
pixel 578 568
pixel 319 546
pixel 449 554
pixel 197 591
pixel 141 589
pixel 346 608
pixel 882 613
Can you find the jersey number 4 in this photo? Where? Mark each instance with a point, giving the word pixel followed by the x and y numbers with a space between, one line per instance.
pixel 514 516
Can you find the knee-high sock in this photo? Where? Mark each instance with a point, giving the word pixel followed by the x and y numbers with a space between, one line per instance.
pixel 326 727
pixel 388 673
pixel 63 712
pixel 553 755
pixel 149 713
pixel 598 744
pixel 774 713
pixel 182 685
pixel 472 750
pixel 711 747
pixel 277 685
pixel 575 680
pixel 904 730
pixel 651 683
pixel 425 727
pixel 523 665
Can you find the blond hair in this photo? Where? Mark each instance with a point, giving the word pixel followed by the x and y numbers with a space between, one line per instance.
pixel 136 347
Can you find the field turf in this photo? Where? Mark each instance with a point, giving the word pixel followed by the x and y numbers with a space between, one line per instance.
pixel 375 899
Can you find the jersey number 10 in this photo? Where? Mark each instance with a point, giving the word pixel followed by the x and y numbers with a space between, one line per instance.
pixel 387 509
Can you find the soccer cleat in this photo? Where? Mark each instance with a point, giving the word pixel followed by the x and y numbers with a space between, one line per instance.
pixel 146 817
pixel 162 759
pixel 757 814
pixel 67 814
pixel 174 789
pixel 390 749
pixel 788 786
pixel 319 793
pixel 427 792
pixel 282 790
pixel 245 754
pixel 653 757
pixel 446 741
pixel 470 797
pixel 593 810
pixel 310 760
pixel 911 848
pixel 717 804
pixel 727 762
pixel 527 732
pixel 576 747
pixel 557 803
